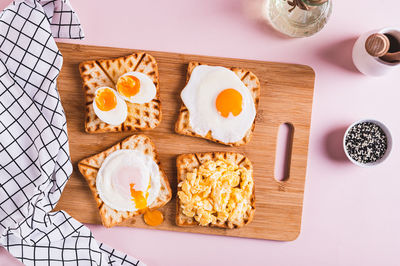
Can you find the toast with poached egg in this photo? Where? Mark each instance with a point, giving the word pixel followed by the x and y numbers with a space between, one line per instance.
pixel 91 166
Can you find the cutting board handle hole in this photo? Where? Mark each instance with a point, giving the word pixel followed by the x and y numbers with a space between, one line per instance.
pixel 283 152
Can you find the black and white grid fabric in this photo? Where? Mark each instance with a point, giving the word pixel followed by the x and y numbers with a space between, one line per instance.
pixel 34 154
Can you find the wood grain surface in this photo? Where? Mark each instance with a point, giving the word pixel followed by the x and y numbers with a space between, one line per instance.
pixel 286 97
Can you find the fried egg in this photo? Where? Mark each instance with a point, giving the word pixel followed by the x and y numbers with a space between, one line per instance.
pixel 218 101
pixel 128 180
pixel 136 87
pixel 109 107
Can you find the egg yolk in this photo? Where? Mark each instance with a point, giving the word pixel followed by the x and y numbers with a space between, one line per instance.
pixel 138 197
pixel 153 218
pixel 128 86
pixel 229 101
pixel 105 99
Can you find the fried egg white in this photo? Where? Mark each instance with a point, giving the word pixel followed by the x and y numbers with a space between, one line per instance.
pixel 109 107
pixel 128 180
pixel 136 87
pixel 218 101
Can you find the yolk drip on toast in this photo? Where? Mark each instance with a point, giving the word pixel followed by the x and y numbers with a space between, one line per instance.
pixel 153 218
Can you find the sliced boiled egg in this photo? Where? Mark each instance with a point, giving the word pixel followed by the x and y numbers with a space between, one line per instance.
pixel 136 87
pixel 109 107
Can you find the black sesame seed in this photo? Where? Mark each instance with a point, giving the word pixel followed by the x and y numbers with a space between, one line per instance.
pixel 366 142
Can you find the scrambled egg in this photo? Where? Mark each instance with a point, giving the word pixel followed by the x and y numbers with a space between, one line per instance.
pixel 216 192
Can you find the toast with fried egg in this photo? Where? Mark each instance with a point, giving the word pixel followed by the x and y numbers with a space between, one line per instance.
pixel 105 73
pixel 187 164
pixel 90 166
pixel 250 80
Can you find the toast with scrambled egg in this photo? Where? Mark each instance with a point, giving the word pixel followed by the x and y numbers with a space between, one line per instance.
pixel 91 165
pixel 215 189
pixel 250 80
pixel 105 73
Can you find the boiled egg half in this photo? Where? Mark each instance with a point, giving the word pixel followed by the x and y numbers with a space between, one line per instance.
pixel 109 107
pixel 136 87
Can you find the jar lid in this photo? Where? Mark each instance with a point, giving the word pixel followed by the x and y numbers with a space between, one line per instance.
pixel 377 44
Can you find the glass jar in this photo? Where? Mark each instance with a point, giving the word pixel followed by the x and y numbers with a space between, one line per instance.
pixel 298 18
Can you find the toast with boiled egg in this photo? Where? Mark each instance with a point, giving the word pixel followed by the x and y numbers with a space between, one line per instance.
pixel 219 104
pixel 115 176
pixel 132 98
pixel 215 189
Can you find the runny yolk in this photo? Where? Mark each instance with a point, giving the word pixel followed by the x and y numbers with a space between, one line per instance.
pixel 153 218
pixel 229 101
pixel 138 197
pixel 128 86
pixel 105 99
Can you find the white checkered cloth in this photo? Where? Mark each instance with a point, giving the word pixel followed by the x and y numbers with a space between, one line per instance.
pixel 34 154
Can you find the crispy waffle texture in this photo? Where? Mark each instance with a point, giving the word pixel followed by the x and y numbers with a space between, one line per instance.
pixel 249 79
pixel 186 163
pixel 91 165
pixel 106 72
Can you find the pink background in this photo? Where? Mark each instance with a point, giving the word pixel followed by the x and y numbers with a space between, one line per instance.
pixel 351 214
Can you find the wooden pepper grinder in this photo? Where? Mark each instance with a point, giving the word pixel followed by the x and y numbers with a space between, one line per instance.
pixel 377 52
pixel 379 45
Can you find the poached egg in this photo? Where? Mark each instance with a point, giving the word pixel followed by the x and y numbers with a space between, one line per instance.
pixel 128 180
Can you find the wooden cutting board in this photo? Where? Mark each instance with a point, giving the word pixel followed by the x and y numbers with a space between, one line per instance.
pixel 286 96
